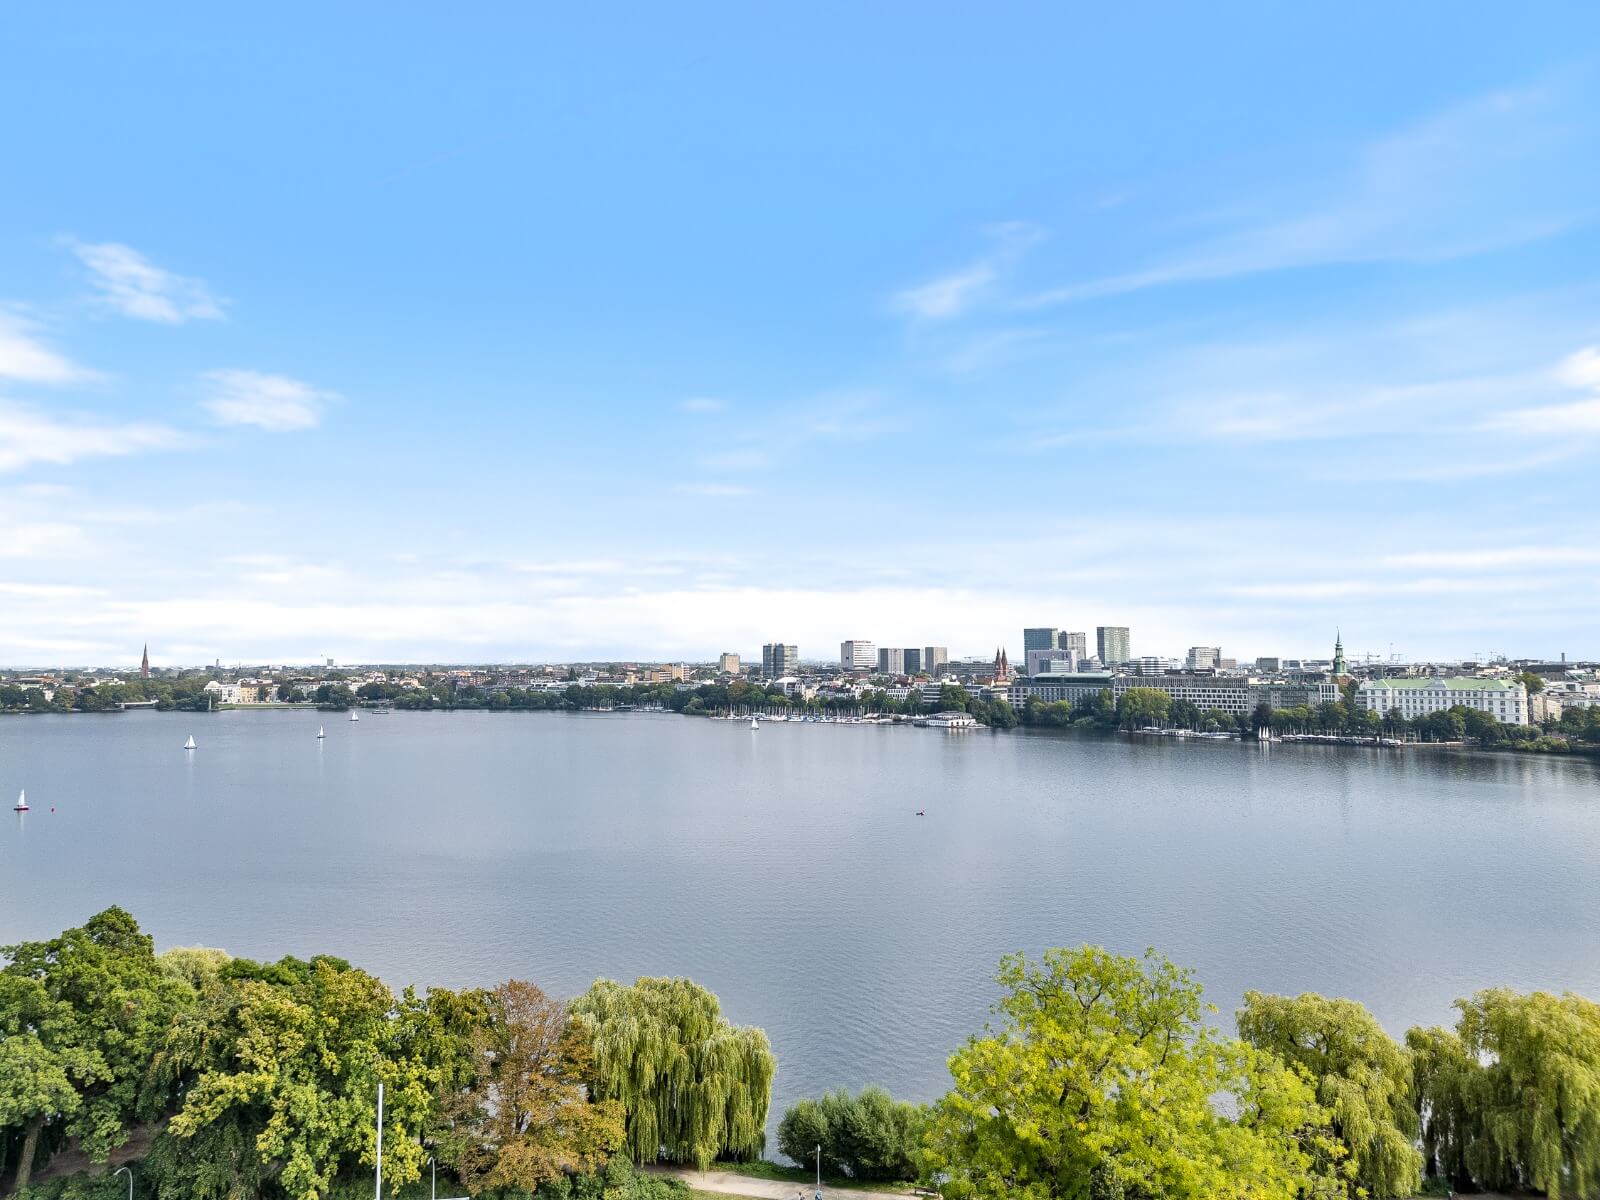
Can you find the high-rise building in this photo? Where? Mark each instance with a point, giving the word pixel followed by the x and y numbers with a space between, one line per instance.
pixel 891 661
pixel 1035 659
pixel 1203 658
pixel 1075 644
pixel 779 658
pixel 913 660
pixel 1038 639
pixel 728 664
pixel 934 657
pixel 857 655
pixel 1113 644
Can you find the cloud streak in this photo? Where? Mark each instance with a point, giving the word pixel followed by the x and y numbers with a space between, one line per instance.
pixel 130 284
pixel 26 359
pixel 29 437
pixel 274 403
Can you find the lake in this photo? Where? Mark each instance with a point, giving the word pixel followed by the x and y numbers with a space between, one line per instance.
pixel 787 871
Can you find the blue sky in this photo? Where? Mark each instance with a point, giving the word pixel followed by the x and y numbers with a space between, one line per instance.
pixel 496 332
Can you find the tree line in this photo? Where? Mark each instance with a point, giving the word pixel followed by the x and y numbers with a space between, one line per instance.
pixel 1102 1077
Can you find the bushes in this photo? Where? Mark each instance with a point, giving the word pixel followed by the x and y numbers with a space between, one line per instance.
pixel 870 1137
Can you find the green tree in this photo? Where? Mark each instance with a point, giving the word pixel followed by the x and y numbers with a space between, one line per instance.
pixel 1141 706
pixel 1363 1079
pixel 1104 1079
pixel 870 1137
pixel 694 1086
pixel 81 1016
pixel 1516 1096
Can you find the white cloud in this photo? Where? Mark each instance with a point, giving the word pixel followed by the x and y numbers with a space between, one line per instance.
pixel 951 295
pixel 135 287
pixel 1580 371
pixel 275 403
pixel 25 358
pixel 28 437
pixel 703 405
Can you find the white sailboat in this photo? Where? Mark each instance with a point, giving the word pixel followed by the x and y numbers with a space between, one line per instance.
pixel 22 802
pixel 354 715
pixel 753 724
pixel 320 732
pixel 189 745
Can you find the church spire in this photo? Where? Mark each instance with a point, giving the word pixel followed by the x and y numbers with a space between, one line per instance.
pixel 1338 653
pixel 144 663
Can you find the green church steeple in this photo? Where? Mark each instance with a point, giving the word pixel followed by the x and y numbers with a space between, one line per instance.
pixel 1338 653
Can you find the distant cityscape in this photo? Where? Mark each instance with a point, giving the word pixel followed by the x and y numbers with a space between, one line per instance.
pixel 1057 666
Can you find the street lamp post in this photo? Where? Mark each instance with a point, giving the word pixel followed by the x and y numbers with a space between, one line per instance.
pixel 433 1190
pixel 378 1187
pixel 819 1171
pixel 119 1171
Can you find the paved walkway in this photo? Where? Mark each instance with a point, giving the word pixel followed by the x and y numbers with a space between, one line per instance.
pixel 730 1184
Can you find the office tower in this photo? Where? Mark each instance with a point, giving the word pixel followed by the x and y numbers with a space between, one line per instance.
pixel 913 660
pixel 728 664
pixel 1076 645
pixel 779 658
pixel 934 657
pixel 857 655
pixel 1202 658
pixel 891 661
pixel 1038 639
pixel 1113 644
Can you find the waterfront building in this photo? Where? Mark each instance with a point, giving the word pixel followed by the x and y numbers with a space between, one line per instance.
pixel 1113 644
pixel 857 655
pixel 779 659
pixel 1036 659
pixel 913 660
pixel 1204 658
pixel 1038 639
pixel 728 664
pixel 1232 694
pixel 891 661
pixel 934 657
pixel 1052 687
pixel 1503 699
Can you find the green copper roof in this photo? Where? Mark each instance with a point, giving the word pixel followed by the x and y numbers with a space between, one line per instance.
pixel 1462 684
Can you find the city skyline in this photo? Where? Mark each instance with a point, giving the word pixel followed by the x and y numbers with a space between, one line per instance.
pixel 628 343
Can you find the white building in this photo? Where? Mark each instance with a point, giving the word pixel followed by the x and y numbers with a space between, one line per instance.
pixel 858 655
pixel 1502 699
pixel 1204 658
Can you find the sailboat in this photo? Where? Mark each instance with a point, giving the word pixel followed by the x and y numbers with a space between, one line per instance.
pixel 753 724
pixel 354 715
pixel 320 733
pixel 189 745
pixel 22 802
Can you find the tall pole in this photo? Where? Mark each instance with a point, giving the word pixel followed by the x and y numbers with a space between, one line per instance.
pixel 119 1171
pixel 378 1189
pixel 819 1171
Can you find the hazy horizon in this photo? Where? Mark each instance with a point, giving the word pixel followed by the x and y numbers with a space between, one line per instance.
pixel 552 336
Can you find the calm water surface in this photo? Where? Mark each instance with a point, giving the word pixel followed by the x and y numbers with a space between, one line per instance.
pixel 786 871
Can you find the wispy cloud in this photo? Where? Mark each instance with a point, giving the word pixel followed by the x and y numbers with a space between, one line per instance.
pixel 28 437
pixel 1501 170
pixel 25 358
pixel 275 403
pixel 1580 371
pixel 952 294
pixel 132 285
pixel 703 405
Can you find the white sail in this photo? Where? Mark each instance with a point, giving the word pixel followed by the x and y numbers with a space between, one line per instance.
pixel 189 745
pixel 320 733
pixel 354 715
pixel 22 801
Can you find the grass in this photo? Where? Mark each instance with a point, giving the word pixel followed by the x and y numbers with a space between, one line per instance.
pixel 799 1176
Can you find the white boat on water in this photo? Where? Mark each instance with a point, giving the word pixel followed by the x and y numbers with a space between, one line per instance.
pixel 22 802
pixel 354 715
pixel 320 732
pixel 189 745
pixel 754 724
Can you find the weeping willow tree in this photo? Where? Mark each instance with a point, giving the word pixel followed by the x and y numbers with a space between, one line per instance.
pixel 1363 1077
pixel 694 1086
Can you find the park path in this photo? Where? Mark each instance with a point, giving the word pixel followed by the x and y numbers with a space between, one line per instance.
pixel 729 1184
